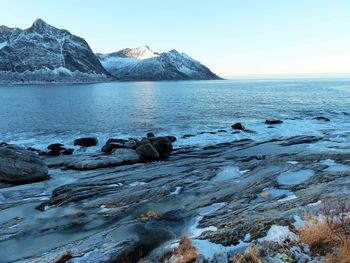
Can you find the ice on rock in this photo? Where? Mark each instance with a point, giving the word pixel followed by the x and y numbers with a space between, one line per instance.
pixel 279 234
pixel 335 167
pixel 294 178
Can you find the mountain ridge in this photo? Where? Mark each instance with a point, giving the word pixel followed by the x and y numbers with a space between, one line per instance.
pixel 44 53
pixel 126 64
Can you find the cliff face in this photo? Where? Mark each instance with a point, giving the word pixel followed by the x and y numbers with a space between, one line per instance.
pixel 45 53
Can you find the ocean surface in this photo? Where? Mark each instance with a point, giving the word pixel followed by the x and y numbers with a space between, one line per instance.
pixel 37 115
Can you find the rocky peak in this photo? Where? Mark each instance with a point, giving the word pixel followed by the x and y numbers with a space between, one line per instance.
pixel 41 27
pixel 141 53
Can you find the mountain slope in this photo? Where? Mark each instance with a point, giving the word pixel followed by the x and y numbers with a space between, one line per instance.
pixel 143 64
pixel 44 53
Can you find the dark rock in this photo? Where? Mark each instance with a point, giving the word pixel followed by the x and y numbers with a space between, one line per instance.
pixel 20 166
pixel 238 126
pixel 162 145
pixel 187 136
pixel 55 146
pixel 321 118
pixel 300 140
pixel 86 142
pixel 150 135
pixel 148 151
pixel 34 150
pixel 171 138
pixel 68 151
pixel 273 122
pixel 112 144
pixel 55 149
pixel 144 141
pixel 176 215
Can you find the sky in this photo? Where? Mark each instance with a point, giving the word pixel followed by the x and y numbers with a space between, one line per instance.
pixel 234 38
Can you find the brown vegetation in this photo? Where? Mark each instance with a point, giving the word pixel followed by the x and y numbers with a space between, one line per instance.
pixel 186 252
pixel 329 233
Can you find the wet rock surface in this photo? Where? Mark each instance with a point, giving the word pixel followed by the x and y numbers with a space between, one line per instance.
pixel 20 166
pixel 93 203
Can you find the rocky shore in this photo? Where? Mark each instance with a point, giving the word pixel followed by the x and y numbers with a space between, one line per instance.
pixel 135 199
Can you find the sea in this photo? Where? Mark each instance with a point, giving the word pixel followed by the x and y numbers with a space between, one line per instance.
pixel 198 113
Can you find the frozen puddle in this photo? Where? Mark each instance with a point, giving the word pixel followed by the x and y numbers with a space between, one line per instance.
pixel 208 249
pixel 228 173
pixel 335 167
pixel 273 193
pixel 294 178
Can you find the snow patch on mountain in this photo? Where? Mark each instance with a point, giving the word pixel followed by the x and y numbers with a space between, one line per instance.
pixel 3 44
pixel 143 64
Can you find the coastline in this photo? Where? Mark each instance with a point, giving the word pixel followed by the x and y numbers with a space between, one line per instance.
pixel 105 196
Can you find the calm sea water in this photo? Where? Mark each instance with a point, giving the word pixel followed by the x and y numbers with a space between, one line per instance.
pixel 36 115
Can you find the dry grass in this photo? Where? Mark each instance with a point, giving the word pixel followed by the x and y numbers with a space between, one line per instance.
pixel 316 232
pixel 329 234
pixel 186 252
pixel 149 215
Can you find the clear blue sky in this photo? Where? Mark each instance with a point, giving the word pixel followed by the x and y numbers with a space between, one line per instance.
pixel 232 37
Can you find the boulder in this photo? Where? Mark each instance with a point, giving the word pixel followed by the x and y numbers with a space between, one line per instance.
pixel 162 144
pixel 171 138
pixel 20 166
pixel 57 149
pixel 273 122
pixel 86 142
pixel 113 144
pixel 150 135
pixel 238 126
pixel 148 151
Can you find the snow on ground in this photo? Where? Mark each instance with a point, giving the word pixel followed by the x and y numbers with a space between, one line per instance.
pixel 177 191
pixel 279 234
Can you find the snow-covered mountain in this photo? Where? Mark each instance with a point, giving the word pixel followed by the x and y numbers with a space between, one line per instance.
pixel 143 64
pixel 43 53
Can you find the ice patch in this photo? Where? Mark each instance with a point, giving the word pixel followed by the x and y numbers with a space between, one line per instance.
pixel 319 202
pixel 299 223
pixel 294 178
pixel 177 191
pixel 198 231
pixel 272 193
pixel 228 173
pixel 137 183
pixel 279 234
pixel 247 237
pixel 289 197
pixel 208 249
pixel 203 211
pixel 335 167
